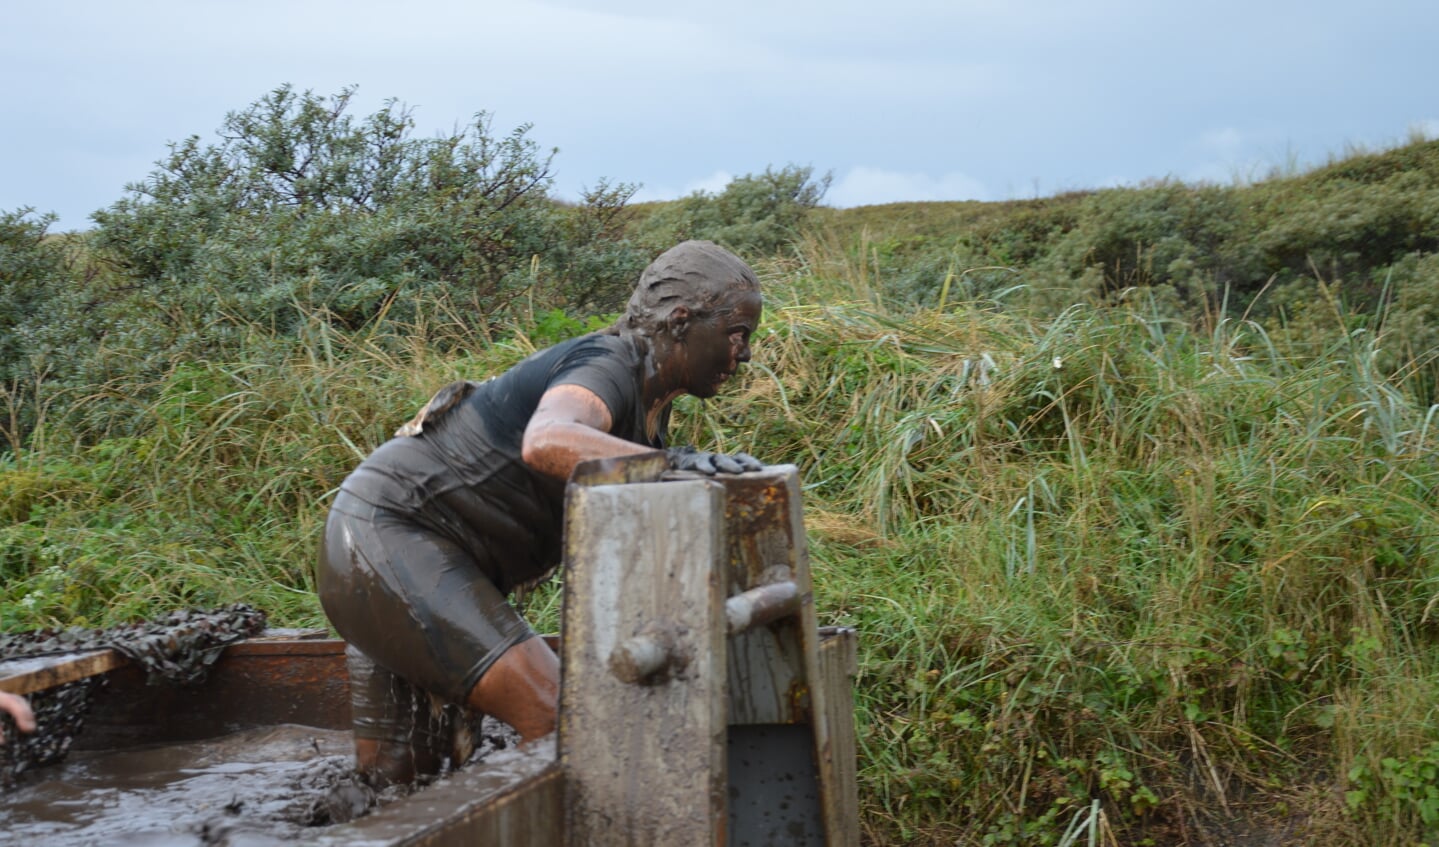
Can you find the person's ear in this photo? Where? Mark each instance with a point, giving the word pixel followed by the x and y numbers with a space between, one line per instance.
pixel 679 322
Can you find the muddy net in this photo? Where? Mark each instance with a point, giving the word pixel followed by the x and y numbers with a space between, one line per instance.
pixel 177 648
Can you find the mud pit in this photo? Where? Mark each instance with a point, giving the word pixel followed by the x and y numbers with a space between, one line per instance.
pixel 191 730
pixel 271 785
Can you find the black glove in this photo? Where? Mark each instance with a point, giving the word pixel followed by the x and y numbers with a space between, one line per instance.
pixel 705 462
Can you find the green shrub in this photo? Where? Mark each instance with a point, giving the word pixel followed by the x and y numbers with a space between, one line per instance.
pixel 756 215
pixel 301 210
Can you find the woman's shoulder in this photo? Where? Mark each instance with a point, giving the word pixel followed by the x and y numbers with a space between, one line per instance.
pixel 605 341
pixel 599 345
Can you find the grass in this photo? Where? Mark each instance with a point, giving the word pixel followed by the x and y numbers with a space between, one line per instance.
pixel 1117 580
pixel 1103 558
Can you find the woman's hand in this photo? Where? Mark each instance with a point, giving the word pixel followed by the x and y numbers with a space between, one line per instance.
pixel 705 462
pixel 19 709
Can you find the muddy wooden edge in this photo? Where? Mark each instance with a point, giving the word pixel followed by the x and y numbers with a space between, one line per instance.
pixel 514 799
pixel 838 666
pixel 37 673
pixel 642 741
pixel 26 676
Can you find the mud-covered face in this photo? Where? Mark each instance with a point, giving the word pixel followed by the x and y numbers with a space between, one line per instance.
pixel 714 343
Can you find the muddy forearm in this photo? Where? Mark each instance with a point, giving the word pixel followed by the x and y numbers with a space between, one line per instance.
pixel 555 447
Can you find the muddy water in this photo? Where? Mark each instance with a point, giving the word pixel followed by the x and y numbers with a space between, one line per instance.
pixel 258 787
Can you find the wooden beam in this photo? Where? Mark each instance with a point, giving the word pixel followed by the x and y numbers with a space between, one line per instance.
pixel 37 673
pixel 644 760
pixel 29 674
pixel 838 665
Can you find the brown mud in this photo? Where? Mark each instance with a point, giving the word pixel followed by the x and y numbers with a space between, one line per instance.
pixel 258 787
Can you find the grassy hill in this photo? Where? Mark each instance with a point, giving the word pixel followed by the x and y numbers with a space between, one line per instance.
pixel 1131 493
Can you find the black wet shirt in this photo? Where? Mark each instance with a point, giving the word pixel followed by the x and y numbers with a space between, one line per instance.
pixel 464 477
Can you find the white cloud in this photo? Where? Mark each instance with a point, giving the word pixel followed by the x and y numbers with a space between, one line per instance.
pixel 712 184
pixel 865 186
pixel 1227 155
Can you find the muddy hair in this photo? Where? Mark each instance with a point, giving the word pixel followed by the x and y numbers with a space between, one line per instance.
pixel 696 274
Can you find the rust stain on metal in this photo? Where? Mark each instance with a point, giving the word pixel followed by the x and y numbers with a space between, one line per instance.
pixel 800 703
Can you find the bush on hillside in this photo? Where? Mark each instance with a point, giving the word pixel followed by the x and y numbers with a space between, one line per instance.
pixel 29 265
pixel 757 215
pixel 38 277
pixel 1167 234
pixel 301 210
pixel 1345 223
pixel 1190 250
pixel 595 262
pixel 301 207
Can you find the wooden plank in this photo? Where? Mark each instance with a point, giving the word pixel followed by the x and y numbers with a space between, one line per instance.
pixel 272 679
pixel 26 676
pixel 645 763
pixel 285 635
pixel 640 467
pixel 838 665
pixel 254 683
pixel 529 813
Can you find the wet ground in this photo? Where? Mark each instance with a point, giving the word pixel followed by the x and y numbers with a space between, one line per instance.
pixel 258 787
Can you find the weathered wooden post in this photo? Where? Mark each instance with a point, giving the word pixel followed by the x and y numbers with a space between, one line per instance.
pixel 642 711
pixel 791 717
pixel 698 705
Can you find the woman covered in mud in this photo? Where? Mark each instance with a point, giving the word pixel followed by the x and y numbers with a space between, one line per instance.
pixel 429 535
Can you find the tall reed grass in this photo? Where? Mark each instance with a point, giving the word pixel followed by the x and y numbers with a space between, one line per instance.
pixel 1115 579
pixel 1106 558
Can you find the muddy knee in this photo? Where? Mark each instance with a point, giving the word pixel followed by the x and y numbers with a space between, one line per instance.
pixel 522 689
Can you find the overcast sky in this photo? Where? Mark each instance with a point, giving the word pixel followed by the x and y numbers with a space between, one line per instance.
pixel 900 99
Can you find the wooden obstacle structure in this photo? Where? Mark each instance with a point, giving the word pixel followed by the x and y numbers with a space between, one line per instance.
pixel 700 702
pixel 695 707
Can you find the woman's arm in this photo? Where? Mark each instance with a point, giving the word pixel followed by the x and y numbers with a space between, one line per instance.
pixel 571 425
pixel 19 709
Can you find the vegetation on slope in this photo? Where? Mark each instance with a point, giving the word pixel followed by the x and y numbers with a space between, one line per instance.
pixel 1130 493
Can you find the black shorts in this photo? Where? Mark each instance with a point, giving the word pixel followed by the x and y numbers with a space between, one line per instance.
pixel 415 602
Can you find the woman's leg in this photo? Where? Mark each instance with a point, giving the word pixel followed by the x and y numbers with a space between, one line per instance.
pixel 522 688
pixel 427 614
pixel 403 732
pixel 397 738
